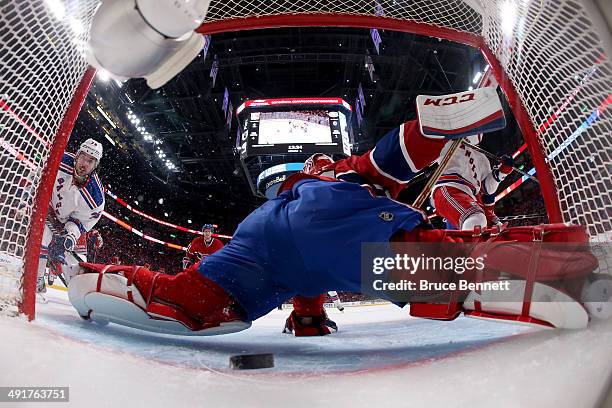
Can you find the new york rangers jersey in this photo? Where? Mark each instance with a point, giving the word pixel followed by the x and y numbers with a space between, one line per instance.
pixel 469 171
pixel 75 207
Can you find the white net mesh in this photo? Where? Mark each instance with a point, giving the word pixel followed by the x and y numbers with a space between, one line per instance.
pixel 549 51
pixel 448 13
pixel 42 60
pixel 558 69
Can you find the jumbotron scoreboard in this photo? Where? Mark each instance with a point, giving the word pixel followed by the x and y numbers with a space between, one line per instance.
pixel 294 125
pixel 274 132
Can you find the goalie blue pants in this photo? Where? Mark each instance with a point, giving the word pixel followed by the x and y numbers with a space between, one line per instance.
pixel 306 241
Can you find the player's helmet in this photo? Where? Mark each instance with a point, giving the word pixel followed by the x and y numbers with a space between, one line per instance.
pixel 208 227
pixel 92 148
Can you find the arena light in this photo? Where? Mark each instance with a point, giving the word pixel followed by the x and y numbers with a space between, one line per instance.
pixel 103 75
pixel 76 25
pixel 99 108
pixel 128 227
pixel 508 17
pixel 477 77
pixel 157 220
pixel 57 8
pixel 109 139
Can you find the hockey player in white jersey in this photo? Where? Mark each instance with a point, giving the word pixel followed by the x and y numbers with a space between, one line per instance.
pixel 465 192
pixel 76 205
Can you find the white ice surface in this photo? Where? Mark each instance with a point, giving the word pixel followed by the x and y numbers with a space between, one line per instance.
pixel 381 357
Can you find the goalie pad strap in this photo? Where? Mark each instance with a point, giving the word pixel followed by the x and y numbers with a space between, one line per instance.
pixel 151 288
pixel 538 238
pixel 100 275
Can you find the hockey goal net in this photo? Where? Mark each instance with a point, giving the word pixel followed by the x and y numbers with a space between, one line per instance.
pixel 546 55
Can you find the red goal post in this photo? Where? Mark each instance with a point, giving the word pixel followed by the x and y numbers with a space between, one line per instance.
pixel 547 58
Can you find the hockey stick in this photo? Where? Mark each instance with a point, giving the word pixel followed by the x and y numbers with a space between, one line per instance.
pixel 61 273
pixel 436 175
pixel 494 157
pixel 61 276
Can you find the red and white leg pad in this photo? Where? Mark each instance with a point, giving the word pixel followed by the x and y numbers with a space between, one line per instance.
pixel 549 307
pixel 550 286
pixel 109 297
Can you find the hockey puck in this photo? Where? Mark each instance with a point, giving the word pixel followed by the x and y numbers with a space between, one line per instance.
pixel 252 361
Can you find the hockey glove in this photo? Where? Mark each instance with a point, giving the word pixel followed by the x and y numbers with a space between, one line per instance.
pixel 505 167
pixel 60 243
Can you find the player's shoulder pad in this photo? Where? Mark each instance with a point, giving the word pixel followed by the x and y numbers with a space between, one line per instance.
pixel 93 192
pixel 67 163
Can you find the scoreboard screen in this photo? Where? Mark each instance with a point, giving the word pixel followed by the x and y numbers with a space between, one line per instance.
pixel 309 126
pixel 305 126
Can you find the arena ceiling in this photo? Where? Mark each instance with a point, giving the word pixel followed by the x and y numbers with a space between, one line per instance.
pixel 187 119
